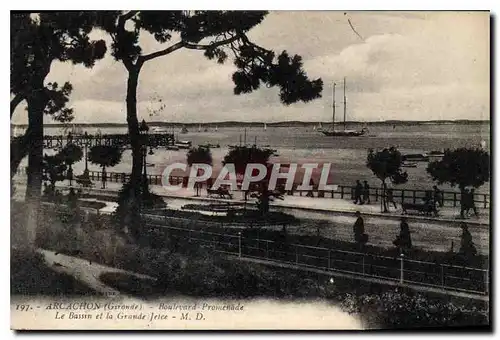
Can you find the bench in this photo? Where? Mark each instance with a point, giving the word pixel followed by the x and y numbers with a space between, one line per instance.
pixel 426 208
pixel 222 193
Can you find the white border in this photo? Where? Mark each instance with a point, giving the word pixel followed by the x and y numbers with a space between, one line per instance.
pixel 199 4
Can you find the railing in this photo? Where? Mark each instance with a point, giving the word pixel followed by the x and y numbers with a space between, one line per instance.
pixel 398 269
pixel 449 198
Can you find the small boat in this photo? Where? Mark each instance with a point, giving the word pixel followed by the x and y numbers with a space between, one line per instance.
pixel 184 130
pixel 409 165
pixel 344 133
pixel 158 129
pixel 183 144
pixel 150 164
pixel 211 146
pixel 418 157
pixel 172 147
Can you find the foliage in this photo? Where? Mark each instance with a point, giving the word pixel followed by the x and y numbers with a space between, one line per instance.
pixel 54 169
pixel 200 155
pixel 38 40
pixel 387 164
pixel 105 155
pixel 227 33
pixel 71 153
pixel 241 156
pixel 128 212
pixel 396 308
pixel 463 167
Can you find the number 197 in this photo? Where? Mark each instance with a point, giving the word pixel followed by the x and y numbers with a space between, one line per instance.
pixel 23 308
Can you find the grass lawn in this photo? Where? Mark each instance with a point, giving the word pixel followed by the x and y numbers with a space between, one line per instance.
pixel 31 276
pixel 188 269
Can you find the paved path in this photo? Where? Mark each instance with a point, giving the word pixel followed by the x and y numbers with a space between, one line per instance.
pixel 85 272
pixel 331 205
pixel 427 234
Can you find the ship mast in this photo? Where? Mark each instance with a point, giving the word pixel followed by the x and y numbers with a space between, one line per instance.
pixel 333 108
pixel 345 104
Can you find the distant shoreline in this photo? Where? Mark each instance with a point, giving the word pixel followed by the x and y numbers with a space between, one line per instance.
pixel 226 124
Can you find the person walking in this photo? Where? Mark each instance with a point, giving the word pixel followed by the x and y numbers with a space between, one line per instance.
pixel 357 192
pixel 366 192
pixel 438 196
pixel 463 202
pixel 390 197
pixel 467 248
pixel 471 204
pixel 403 241
pixel 359 231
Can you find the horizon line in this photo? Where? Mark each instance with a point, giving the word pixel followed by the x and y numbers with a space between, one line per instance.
pixel 389 121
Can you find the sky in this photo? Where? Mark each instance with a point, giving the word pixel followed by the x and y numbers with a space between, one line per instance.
pixel 403 66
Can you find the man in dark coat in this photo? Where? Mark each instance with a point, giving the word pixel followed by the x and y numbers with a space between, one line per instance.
pixel 438 196
pixel 467 248
pixel 471 204
pixel 357 192
pixel 464 195
pixel 358 230
pixel 403 241
pixel 366 193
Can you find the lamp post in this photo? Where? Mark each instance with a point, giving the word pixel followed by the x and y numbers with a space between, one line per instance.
pixel 84 179
pixel 143 130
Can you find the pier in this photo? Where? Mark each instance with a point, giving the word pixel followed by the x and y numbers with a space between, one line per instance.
pixel 154 140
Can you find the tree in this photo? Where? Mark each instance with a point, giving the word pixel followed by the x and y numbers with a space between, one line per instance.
pixel 54 169
pixel 58 97
pixel 37 41
pixel 240 157
pixel 71 154
pixel 216 33
pixel 386 164
pixel 105 156
pixel 463 167
pixel 199 155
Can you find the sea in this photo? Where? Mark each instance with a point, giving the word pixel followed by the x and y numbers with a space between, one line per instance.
pixel 304 144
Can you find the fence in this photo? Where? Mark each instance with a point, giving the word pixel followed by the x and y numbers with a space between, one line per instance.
pixel 449 198
pixel 398 269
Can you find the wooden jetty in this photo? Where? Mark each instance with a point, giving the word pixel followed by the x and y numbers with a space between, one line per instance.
pixel 155 140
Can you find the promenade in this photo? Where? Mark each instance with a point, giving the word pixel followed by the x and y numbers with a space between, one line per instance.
pixel 428 233
pixel 308 205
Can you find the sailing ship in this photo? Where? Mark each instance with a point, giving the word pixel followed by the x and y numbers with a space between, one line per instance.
pixel 345 132
pixel 265 126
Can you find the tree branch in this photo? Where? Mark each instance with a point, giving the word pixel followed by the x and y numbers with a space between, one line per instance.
pixel 120 32
pixel 142 59
pixel 215 44
pixel 15 101
pixel 182 43
pixel 126 17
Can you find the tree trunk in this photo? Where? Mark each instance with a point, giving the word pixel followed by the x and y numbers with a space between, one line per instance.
pixel 18 150
pixel 36 105
pixel 384 197
pixel 132 213
pixel 133 127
